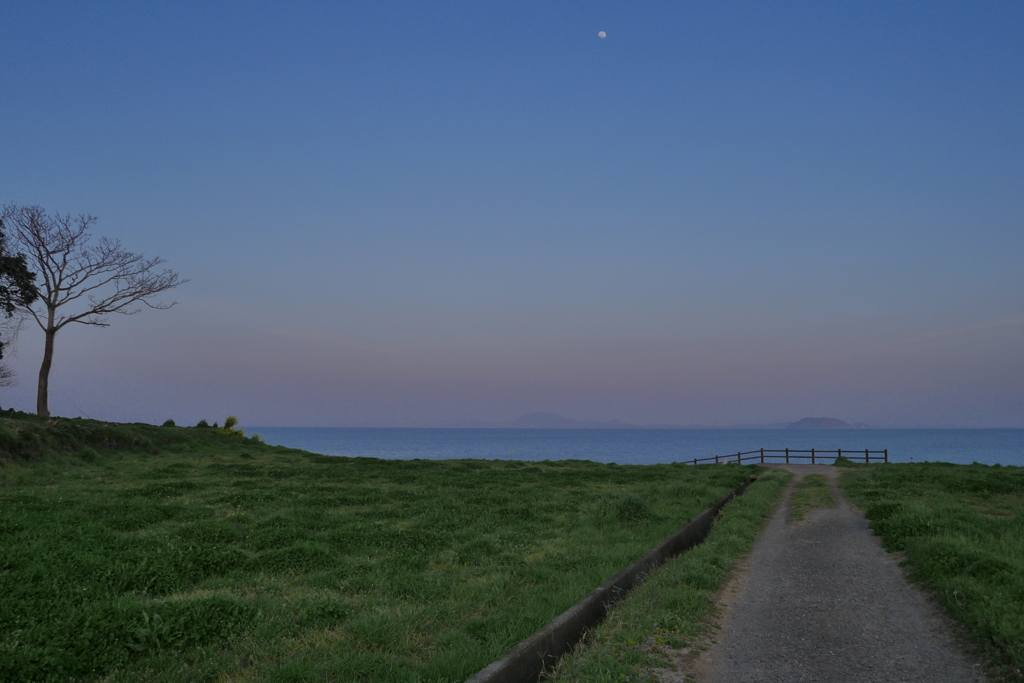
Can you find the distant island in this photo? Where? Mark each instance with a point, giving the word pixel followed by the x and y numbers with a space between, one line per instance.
pixel 553 421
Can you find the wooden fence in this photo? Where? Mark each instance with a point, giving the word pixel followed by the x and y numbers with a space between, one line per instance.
pixel 792 456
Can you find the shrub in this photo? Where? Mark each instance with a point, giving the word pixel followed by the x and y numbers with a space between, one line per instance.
pixel 229 427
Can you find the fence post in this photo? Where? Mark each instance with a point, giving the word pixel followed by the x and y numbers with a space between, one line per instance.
pixel 739 458
pixel 812 456
pixel 787 456
pixel 867 458
pixel 840 452
pixel 762 456
pixel 886 455
pixel 716 459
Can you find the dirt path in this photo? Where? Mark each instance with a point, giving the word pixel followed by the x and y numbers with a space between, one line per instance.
pixel 821 600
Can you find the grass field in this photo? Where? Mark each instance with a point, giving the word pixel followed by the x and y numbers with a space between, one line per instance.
pixel 671 611
pixel 962 529
pixel 141 553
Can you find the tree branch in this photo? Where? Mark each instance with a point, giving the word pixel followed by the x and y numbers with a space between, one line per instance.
pixel 103 273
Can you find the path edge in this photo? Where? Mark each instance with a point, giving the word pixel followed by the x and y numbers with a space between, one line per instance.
pixel 539 651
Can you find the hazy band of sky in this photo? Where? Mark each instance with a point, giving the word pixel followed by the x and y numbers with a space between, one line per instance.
pixel 400 213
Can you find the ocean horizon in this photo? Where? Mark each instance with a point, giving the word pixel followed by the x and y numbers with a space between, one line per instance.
pixel 645 446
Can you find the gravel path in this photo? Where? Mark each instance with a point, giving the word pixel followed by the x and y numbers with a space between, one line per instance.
pixel 821 600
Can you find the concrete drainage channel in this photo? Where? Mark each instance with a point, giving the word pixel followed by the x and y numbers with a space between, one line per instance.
pixel 525 662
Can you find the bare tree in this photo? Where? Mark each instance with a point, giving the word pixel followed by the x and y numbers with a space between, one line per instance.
pixel 82 280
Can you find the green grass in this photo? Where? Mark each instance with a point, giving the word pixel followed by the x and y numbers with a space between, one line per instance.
pixel 810 493
pixel 672 609
pixel 962 529
pixel 26 437
pixel 195 555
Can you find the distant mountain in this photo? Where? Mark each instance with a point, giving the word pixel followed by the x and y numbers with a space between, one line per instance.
pixel 822 423
pixel 544 421
pixel 553 421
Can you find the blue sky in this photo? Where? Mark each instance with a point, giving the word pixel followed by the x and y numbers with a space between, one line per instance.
pixel 397 214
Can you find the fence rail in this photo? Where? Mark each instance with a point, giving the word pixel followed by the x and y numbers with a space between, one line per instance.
pixel 791 456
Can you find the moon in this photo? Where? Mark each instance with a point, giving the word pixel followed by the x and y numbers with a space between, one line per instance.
pixel 602 34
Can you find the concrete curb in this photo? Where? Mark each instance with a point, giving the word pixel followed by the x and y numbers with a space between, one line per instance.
pixel 525 662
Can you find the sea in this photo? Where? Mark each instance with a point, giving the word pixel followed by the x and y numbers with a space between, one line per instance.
pixel 647 446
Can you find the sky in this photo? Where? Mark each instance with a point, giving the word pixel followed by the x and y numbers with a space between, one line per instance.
pixel 447 214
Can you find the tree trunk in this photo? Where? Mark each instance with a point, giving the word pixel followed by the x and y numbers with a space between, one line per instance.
pixel 42 406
